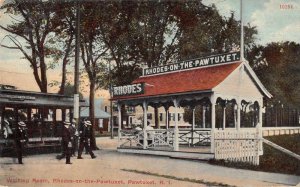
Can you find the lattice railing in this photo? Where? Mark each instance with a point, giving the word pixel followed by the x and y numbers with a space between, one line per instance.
pixel 160 138
pixel 237 146
pixel 194 137
pixel 131 138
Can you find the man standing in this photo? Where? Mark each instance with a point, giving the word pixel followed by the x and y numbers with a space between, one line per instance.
pixel 20 139
pixel 74 138
pixel 66 141
pixel 85 135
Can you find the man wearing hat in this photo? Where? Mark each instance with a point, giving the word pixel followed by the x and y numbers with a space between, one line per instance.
pixel 74 137
pixel 66 141
pixel 20 139
pixel 85 135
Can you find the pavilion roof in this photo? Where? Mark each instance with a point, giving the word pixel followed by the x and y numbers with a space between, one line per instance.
pixel 185 81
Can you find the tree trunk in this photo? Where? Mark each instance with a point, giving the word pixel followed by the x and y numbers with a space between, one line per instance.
pixel 63 79
pixel 64 66
pixel 92 114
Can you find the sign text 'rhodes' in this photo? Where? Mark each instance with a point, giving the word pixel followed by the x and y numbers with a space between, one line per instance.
pixel 131 89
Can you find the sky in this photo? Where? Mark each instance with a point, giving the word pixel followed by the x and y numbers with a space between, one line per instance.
pixel 276 20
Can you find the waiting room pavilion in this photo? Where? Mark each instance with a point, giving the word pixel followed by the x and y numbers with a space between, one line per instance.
pixel 230 93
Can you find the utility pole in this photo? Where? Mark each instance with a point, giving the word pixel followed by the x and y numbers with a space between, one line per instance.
pixel 242 32
pixel 76 76
pixel 111 109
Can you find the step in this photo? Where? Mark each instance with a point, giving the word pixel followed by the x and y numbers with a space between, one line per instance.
pixel 171 154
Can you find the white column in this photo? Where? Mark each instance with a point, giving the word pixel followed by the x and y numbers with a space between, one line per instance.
pixel 224 117
pixel 167 117
pixel 213 123
pixel 238 125
pixel 234 116
pixel 145 125
pixel 260 133
pixel 193 125
pixel 203 116
pixel 176 132
pixel 120 121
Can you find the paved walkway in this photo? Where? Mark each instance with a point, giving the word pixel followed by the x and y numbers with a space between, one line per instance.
pixel 107 170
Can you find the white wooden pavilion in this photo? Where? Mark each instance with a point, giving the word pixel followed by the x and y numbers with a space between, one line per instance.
pixel 226 87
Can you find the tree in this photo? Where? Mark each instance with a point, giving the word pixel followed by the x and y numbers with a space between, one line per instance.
pixel 69 91
pixel 93 50
pixel 211 33
pixel 33 34
pixel 277 66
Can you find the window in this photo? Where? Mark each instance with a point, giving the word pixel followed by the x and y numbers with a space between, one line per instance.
pixel 105 108
pixel 130 109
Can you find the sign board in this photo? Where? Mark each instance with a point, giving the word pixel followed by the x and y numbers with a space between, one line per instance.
pixel 131 89
pixel 17 97
pixel 194 63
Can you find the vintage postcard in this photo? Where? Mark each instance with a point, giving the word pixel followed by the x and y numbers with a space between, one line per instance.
pixel 149 93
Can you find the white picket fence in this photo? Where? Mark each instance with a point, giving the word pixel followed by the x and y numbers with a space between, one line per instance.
pixel 237 146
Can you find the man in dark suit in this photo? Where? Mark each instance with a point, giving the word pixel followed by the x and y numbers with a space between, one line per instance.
pixel 21 139
pixel 85 135
pixel 66 141
pixel 74 138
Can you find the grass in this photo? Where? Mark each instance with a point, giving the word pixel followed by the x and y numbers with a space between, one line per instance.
pixel 273 160
pixel 177 178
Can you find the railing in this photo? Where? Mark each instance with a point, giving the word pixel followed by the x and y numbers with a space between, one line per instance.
pixel 158 138
pixel 274 131
pixel 131 138
pixel 237 146
pixel 162 138
pixel 194 137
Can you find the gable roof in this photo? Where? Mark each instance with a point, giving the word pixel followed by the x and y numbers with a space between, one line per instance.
pixel 199 79
pixel 256 80
pixel 99 113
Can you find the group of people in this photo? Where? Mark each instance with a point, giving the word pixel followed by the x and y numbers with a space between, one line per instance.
pixel 69 140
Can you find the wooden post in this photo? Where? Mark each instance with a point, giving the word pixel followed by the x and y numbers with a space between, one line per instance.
pixel 156 121
pixel 203 116
pixel 238 126
pixel 28 111
pixel 260 133
pixel 1 117
pixel 213 123
pixel 193 126
pixel 145 125
pixel 16 113
pixel 167 116
pixel 224 117
pixel 71 114
pixel 176 131
pixel 120 121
